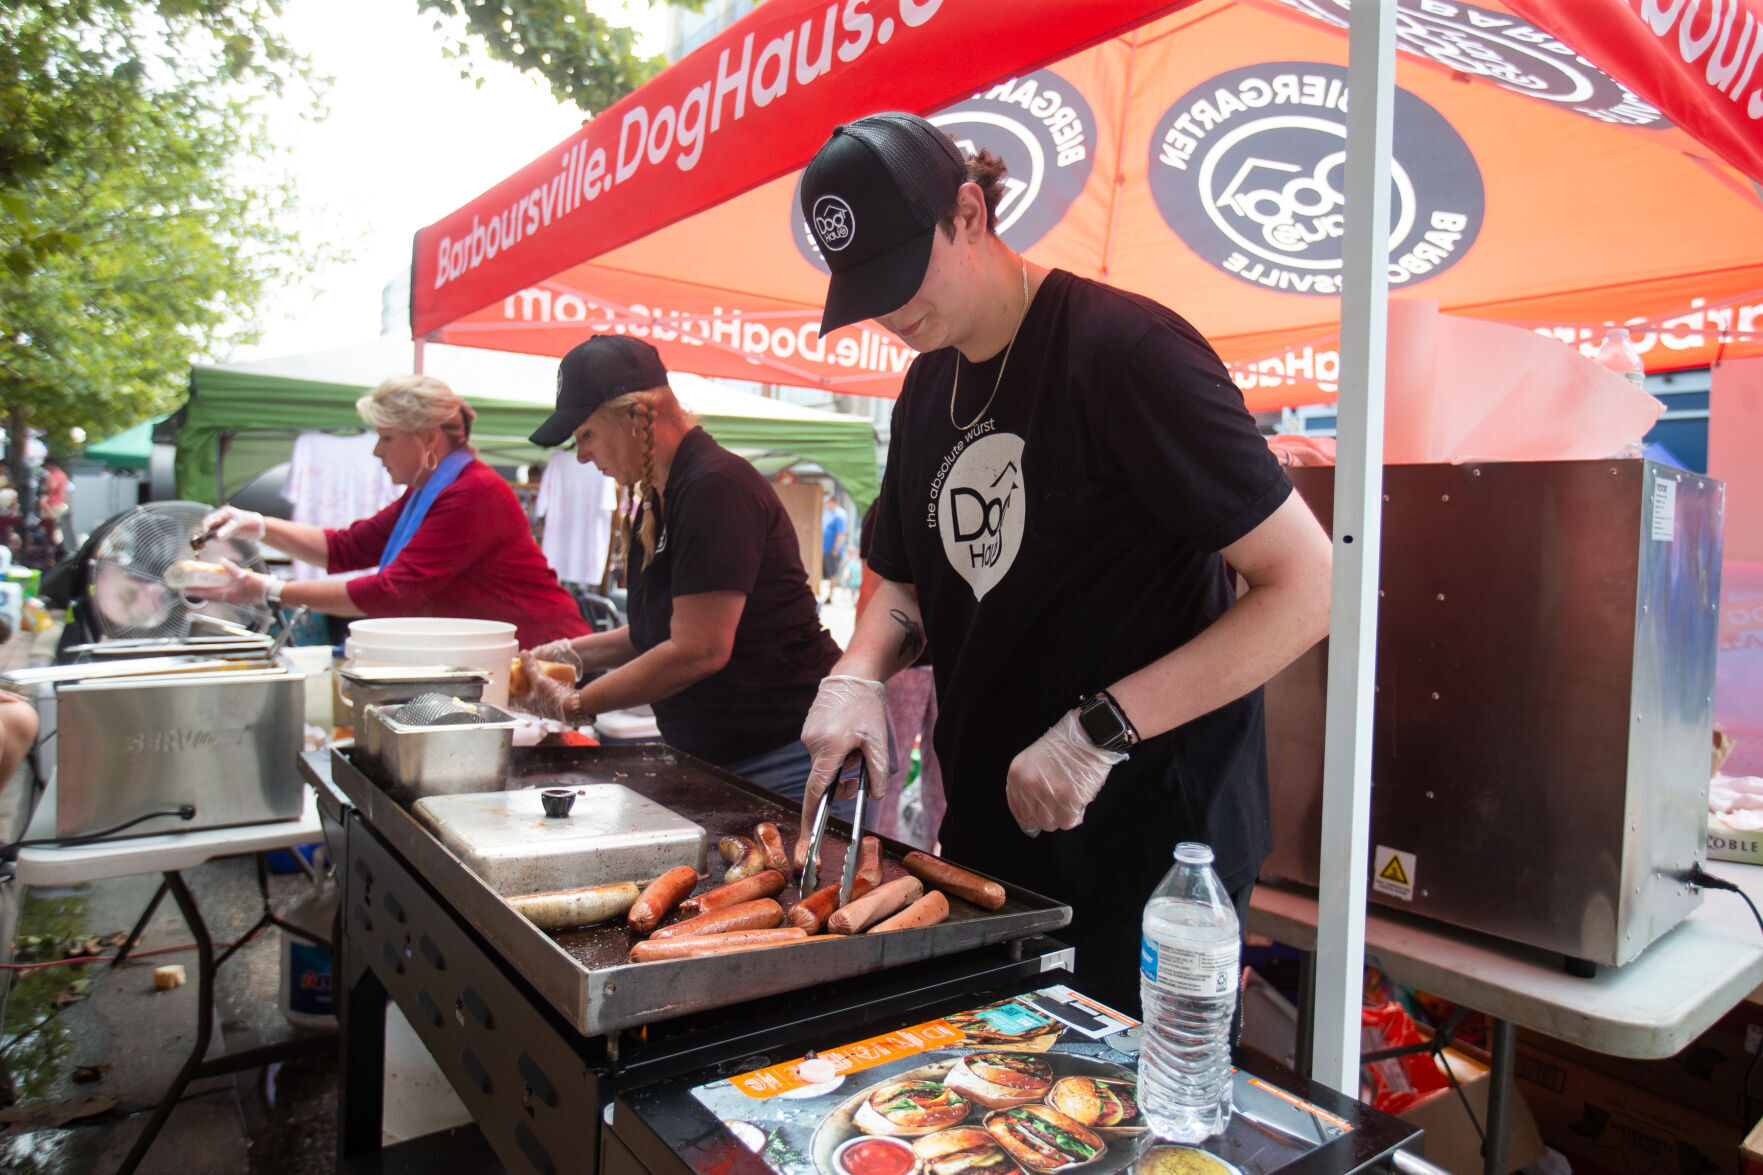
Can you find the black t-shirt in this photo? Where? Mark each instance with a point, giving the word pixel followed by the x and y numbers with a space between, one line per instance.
pixel 723 529
pixel 1066 539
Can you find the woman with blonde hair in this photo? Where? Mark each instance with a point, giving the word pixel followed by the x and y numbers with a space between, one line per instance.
pixel 724 640
pixel 456 543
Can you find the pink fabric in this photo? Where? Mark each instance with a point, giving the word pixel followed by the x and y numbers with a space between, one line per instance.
pixel 912 713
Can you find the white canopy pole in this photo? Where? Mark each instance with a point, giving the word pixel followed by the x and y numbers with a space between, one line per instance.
pixel 1358 525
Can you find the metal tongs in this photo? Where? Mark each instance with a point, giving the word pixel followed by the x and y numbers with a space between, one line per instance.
pixel 853 852
pixel 201 537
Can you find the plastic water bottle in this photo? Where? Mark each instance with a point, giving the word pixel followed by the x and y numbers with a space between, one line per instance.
pixel 1188 977
pixel 1618 354
pixel 306 998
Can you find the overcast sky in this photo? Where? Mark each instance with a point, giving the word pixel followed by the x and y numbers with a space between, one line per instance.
pixel 407 141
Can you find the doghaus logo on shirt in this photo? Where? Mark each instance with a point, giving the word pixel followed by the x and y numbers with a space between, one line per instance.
pixel 979 511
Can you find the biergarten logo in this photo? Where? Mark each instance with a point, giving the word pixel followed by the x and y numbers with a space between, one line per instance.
pixel 1507 51
pixel 834 222
pixel 1043 130
pixel 1249 169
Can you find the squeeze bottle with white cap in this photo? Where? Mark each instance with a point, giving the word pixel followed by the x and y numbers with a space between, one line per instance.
pixel 1618 354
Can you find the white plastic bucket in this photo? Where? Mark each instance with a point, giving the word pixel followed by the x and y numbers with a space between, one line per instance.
pixel 437 640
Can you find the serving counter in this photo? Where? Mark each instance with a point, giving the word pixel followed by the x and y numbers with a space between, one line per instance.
pixel 570 1058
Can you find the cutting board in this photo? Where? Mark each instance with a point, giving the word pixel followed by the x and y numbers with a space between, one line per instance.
pixel 611 835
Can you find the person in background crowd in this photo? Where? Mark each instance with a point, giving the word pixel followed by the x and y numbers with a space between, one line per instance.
pixel 912 716
pixel 52 501
pixel 835 527
pixel 1087 471
pixel 456 543
pixel 724 641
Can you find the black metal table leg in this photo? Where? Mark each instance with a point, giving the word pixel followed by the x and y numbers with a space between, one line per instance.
pixel 361 1052
pixel 204 1022
pixel 1505 1043
pixel 128 944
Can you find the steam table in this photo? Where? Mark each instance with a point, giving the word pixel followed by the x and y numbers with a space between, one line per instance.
pixel 168 854
pixel 1653 1007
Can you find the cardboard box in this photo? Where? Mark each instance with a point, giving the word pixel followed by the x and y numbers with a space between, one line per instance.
pixel 1599 1120
pixel 1451 1139
pixel 1732 844
pixel 1707 1076
pixel 1751 1151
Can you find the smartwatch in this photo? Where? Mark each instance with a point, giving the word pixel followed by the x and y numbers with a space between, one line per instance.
pixel 1105 723
pixel 272 591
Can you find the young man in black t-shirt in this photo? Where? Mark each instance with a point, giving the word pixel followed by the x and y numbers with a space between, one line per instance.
pixel 1070 471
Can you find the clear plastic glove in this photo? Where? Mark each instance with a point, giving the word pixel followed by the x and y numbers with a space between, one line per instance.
pixel 230 522
pixel 1056 777
pixel 246 588
pixel 546 697
pixel 561 651
pixel 849 714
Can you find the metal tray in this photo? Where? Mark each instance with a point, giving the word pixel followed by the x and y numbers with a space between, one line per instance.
pixel 584 973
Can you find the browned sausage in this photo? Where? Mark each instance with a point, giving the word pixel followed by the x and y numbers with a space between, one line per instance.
pixel 869 865
pixel 759 914
pixel 800 855
pixel 928 910
pixel 743 856
pixel 875 905
pixel 771 842
pixel 660 896
pixel 715 944
pixel 761 885
pixel 812 911
pixel 939 874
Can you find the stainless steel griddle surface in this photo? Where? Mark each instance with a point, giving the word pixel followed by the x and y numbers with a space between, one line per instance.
pixel 585 973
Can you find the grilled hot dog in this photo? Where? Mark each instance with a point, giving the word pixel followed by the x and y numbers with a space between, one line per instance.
pixel 812 911
pixel 939 874
pixel 767 884
pixel 715 944
pixel 875 905
pixel 771 842
pixel 660 896
pixel 759 914
pixel 928 910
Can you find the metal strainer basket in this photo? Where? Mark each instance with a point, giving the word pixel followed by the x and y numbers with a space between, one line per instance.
pixel 437 709
pixel 126 577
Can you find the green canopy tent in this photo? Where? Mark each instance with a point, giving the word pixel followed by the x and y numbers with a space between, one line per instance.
pixel 241 419
pixel 131 448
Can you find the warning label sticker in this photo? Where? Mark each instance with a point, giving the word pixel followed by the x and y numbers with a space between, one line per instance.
pixel 1392 872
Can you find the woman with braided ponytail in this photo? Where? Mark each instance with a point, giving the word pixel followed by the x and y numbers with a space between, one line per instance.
pixel 456 543
pixel 724 641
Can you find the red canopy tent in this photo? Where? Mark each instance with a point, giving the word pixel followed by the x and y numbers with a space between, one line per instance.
pixel 1195 157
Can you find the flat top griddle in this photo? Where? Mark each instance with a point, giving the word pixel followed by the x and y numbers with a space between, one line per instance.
pixel 585 974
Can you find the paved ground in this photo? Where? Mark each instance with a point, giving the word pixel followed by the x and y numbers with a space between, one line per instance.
pixel 112 1053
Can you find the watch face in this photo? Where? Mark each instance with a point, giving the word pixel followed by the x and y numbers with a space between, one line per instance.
pixel 1100 722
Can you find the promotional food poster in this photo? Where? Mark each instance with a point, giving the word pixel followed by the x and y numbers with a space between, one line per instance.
pixel 1039 1084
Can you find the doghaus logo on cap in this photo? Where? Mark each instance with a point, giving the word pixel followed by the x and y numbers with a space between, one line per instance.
pixel 1038 124
pixel 835 225
pixel 1249 168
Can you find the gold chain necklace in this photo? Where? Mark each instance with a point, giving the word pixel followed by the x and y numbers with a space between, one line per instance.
pixel 955 387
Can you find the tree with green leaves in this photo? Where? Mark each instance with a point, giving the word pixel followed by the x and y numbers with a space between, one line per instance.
pixel 140 211
pixel 587 60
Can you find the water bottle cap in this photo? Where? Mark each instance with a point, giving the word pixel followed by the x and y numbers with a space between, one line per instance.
pixel 1616 332
pixel 1190 852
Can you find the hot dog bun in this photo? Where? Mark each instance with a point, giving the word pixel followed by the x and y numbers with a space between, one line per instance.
pixel 517 683
pixel 1000 1080
pixel 910 1107
pixel 196 573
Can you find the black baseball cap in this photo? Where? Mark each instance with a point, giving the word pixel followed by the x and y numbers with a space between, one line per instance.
pixel 872 196
pixel 593 373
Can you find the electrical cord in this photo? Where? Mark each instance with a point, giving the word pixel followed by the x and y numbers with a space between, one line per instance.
pixel 10 852
pixel 1702 879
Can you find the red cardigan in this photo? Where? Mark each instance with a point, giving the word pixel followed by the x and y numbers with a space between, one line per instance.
pixel 473 556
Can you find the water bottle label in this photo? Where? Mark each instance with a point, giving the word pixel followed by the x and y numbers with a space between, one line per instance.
pixel 1202 974
pixel 309 979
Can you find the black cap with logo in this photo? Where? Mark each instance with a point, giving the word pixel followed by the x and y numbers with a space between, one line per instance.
pixel 873 195
pixel 593 373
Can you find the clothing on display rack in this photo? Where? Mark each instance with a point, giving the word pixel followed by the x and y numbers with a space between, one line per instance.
pixel 332 481
pixel 576 500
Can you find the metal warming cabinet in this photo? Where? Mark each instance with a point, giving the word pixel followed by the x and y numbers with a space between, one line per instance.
pixel 1545 672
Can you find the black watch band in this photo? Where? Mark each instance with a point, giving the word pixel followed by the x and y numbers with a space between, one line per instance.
pixel 1105 723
